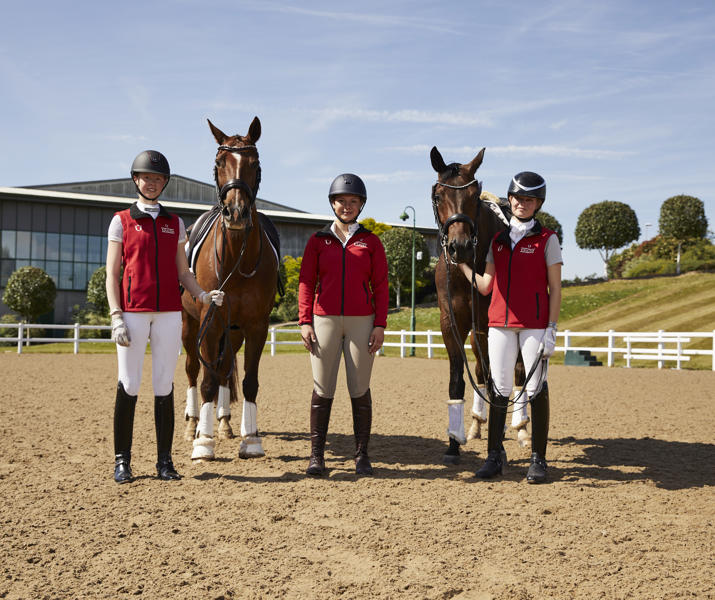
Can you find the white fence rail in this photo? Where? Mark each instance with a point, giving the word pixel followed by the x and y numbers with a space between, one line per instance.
pixel 661 346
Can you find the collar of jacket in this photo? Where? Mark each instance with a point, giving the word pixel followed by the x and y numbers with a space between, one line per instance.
pixel 504 238
pixel 136 213
pixel 327 232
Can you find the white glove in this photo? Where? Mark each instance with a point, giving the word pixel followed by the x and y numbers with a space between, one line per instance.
pixel 120 333
pixel 214 296
pixel 548 342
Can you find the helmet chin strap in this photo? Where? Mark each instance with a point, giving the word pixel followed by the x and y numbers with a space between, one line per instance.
pixel 147 198
pixel 344 222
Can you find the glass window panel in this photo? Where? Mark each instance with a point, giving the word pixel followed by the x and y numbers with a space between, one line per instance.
pixel 21 263
pixel 38 245
pixel 94 248
pixel 66 274
pixel 8 244
pixel 52 268
pixel 23 244
pixel 80 276
pixel 66 246
pixel 52 246
pixel 80 248
pixel 7 268
pixel 104 250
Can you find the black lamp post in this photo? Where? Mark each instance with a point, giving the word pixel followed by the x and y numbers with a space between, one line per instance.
pixel 404 216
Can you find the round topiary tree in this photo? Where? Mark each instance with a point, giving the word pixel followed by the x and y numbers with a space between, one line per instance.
pixel 606 226
pixel 550 222
pixel 683 217
pixel 97 291
pixel 30 292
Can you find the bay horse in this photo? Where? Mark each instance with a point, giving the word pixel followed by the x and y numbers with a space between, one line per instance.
pixel 238 258
pixel 467 223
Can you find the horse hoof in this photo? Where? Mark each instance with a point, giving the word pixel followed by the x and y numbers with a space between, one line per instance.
pixel 251 447
pixel 224 429
pixel 203 449
pixel 451 459
pixel 522 437
pixel 190 429
pixel 475 430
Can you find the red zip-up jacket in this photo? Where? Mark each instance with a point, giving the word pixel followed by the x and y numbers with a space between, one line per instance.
pixel 150 281
pixel 520 297
pixel 337 280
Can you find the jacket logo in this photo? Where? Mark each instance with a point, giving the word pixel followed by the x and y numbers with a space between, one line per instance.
pixel 167 229
pixel 500 247
pixel 361 244
pixel 528 250
pixel 138 227
pixel 328 242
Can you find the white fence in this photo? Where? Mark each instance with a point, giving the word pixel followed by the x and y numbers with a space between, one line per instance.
pixel 665 347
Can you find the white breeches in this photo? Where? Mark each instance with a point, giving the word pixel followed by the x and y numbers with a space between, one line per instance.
pixel 164 331
pixel 504 346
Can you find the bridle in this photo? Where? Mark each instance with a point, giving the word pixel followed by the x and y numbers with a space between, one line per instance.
pixel 456 217
pixel 234 184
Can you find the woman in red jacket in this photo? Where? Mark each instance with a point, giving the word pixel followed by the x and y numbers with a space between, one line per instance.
pixel 343 297
pixel 145 304
pixel 523 274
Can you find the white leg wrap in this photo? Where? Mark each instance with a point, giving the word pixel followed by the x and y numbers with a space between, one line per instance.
pixel 248 419
pixel 204 443
pixel 206 419
pixel 456 420
pixel 223 405
pixel 479 407
pixel 519 416
pixel 192 402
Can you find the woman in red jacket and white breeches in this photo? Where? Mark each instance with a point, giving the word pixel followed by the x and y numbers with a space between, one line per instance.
pixel 343 298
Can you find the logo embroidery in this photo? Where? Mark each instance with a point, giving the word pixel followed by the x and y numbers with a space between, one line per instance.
pixel 528 250
pixel 361 244
pixel 500 247
pixel 167 229
pixel 328 242
pixel 138 227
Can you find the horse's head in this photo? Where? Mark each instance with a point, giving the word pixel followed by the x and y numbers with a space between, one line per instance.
pixel 237 174
pixel 455 199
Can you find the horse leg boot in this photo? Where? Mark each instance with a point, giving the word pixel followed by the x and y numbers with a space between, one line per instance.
pixel 539 435
pixel 362 425
pixel 124 407
pixel 496 456
pixel 319 419
pixel 164 423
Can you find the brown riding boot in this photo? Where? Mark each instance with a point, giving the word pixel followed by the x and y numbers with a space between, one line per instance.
pixel 362 424
pixel 319 420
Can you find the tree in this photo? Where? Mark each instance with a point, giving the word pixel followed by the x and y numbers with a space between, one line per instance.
pixel 398 248
pixel 377 228
pixel 683 217
pixel 287 309
pixel 97 291
pixel 551 223
pixel 606 226
pixel 30 292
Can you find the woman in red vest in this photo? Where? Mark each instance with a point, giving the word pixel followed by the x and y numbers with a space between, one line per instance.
pixel 342 301
pixel 145 304
pixel 523 274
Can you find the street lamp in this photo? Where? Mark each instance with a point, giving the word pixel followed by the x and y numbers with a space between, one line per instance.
pixel 647 226
pixel 413 324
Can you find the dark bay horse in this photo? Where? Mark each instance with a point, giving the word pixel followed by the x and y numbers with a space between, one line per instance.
pixel 236 257
pixel 467 223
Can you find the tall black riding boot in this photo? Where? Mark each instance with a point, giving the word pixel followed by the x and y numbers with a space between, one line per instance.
pixel 496 455
pixel 362 425
pixel 123 430
pixel 319 420
pixel 164 422
pixel 539 435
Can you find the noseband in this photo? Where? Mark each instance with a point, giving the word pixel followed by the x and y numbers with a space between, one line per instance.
pixel 236 184
pixel 456 217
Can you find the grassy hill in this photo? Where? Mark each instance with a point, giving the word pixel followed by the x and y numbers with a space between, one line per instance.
pixel 683 303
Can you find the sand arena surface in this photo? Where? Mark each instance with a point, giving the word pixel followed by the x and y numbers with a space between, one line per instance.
pixel 628 514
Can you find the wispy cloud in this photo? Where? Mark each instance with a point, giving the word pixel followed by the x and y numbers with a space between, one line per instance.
pixel 390 177
pixel 332 114
pixel 545 150
pixel 377 20
pixel 127 138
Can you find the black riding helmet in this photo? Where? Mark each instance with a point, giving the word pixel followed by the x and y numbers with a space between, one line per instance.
pixel 347 183
pixel 529 184
pixel 151 161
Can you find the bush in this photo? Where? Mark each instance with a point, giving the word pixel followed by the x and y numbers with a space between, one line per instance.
pixel 97 291
pixel 90 317
pixel 30 292
pixel 646 266
pixel 695 254
pixel 8 331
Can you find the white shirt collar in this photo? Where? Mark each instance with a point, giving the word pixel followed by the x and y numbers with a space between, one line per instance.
pixel 352 228
pixel 150 209
pixel 518 229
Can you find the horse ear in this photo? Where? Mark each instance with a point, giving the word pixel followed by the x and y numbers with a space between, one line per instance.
pixel 219 135
pixel 437 160
pixel 254 131
pixel 476 162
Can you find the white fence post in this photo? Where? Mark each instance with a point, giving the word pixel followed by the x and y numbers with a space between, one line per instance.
pixel 76 338
pixel 429 343
pixel 20 335
pixel 273 341
pixel 713 349
pixel 660 347
pixel 610 347
pixel 402 343
pixel 566 342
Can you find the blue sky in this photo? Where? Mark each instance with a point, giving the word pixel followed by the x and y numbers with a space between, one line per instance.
pixel 607 100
